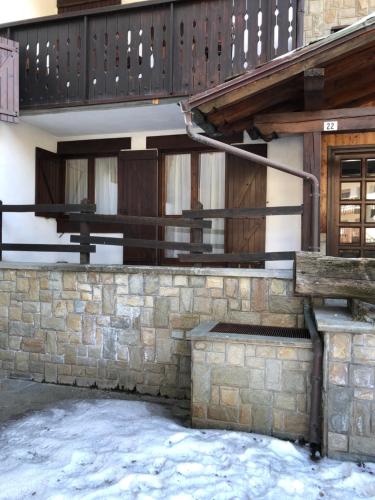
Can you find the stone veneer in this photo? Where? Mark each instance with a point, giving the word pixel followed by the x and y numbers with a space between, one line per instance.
pixel 123 326
pixel 321 15
pixel 349 385
pixel 251 383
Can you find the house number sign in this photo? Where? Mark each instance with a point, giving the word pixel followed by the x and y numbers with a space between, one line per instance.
pixel 330 126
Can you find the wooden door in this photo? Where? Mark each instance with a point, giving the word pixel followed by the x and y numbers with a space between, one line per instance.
pixel 351 208
pixel 138 195
pixel 246 187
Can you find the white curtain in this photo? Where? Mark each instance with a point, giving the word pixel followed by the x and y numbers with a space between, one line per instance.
pixel 106 185
pixel 212 195
pixel 76 181
pixel 178 196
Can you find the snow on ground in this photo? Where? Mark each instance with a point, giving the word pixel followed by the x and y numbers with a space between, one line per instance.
pixel 134 450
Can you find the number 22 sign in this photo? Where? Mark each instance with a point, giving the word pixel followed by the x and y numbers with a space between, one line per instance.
pixel 330 126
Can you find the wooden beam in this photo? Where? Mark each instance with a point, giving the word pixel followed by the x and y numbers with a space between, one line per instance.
pixel 48 208
pixel 335 277
pixel 26 247
pixel 238 258
pixel 311 163
pixel 242 213
pixel 139 243
pixel 348 119
pixel 313 88
pixel 138 220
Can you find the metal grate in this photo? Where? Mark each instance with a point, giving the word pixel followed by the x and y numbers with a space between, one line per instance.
pixel 266 331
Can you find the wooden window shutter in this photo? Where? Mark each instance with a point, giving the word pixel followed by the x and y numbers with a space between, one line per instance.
pixel 49 179
pixel 138 195
pixel 9 81
pixel 246 187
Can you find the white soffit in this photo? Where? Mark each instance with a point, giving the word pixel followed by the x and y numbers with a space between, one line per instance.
pixel 123 119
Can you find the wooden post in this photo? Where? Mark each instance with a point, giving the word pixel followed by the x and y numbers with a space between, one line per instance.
pixel 311 163
pixel 1 232
pixel 84 228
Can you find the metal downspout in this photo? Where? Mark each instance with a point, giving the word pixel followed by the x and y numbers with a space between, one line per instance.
pixel 315 427
pixel 266 162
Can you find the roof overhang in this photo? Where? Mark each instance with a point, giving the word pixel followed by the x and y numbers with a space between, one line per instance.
pixel 348 62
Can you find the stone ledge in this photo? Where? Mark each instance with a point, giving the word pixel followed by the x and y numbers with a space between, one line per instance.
pixel 187 271
pixel 202 332
pixel 340 320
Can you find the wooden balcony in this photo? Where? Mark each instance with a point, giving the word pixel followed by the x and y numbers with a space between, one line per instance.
pixel 148 50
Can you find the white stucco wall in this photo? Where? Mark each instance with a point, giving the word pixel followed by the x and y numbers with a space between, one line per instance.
pixel 17 185
pixel 17 10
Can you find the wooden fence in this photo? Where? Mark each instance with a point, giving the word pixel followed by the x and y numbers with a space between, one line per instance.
pixel 199 252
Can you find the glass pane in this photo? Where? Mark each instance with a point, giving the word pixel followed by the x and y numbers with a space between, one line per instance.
pixel 370 190
pixel 350 168
pixel 371 167
pixel 349 235
pixel 350 213
pixel 106 185
pixel 176 234
pixel 178 183
pixel 370 235
pixel 350 190
pixel 370 213
pixel 349 253
pixel 76 180
pixel 212 195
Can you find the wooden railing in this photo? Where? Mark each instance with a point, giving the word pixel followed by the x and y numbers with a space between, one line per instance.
pixel 149 50
pixel 198 251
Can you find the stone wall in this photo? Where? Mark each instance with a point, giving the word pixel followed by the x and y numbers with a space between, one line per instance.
pixel 251 384
pixel 322 15
pixel 349 386
pixel 124 327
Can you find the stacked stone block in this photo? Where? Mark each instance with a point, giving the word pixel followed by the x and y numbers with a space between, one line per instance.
pixel 258 385
pixel 350 395
pixel 124 327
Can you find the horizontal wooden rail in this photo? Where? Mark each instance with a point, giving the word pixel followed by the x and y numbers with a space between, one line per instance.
pixel 26 247
pixel 139 243
pixel 49 208
pixel 238 258
pixel 242 213
pixel 143 221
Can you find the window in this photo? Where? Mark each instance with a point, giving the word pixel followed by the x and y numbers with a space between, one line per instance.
pixel 352 207
pixel 189 179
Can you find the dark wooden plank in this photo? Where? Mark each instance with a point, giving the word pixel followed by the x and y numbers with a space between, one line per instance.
pixel 335 277
pixel 242 213
pixel 183 141
pixel 55 208
pixel 311 164
pixel 237 258
pixel 139 220
pixel 36 247
pixel 139 243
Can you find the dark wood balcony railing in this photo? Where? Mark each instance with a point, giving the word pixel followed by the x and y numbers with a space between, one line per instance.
pixel 148 50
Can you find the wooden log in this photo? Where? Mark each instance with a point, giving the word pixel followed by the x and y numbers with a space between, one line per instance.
pixel 36 247
pixel 139 220
pixel 139 243
pixel 334 277
pixel 238 258
pixel 48 208
pixel 243 213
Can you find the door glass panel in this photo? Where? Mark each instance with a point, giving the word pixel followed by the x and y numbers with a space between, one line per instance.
pixel 370 190
pixel 106 185
pixel 212 195
pixel 350 213
pixel 350 190
pixel 371 167
pixel 370 235
pixel 178 197
pixel 76 183
pixel 370 213
pixel 349 235
pixel 351 168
